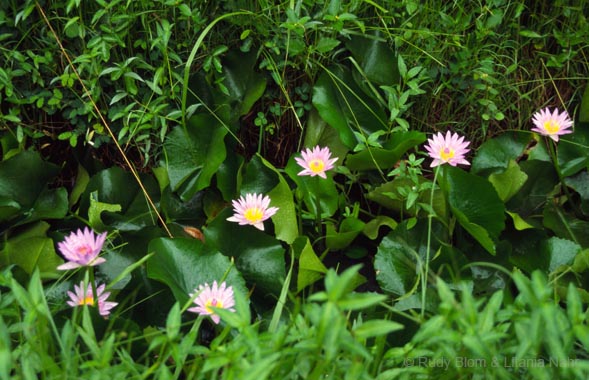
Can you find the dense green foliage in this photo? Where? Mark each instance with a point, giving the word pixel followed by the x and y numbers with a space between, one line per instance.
pixel 145 119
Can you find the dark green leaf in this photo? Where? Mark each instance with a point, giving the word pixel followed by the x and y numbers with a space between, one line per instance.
pixel 345 106
pixel 572 152
pixel 259 177
pixel 112 187
pixel 397 145
pixel 314 190
pixel 476 205
pixel 184 264
pixel 285 219
pixel 580 183
pixel 497 152
pixel 565 225
pixel 23 178
pixel 398 255
pixel 258 256
pixel 318 132
pixel 532 196
pixel 526 247
pixel 194 154
pixel 377 60
pixel 244 84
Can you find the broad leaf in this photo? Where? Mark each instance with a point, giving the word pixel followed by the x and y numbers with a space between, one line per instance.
pixel 32 249
pixel 244 84
pixel 259 177
pixel 319 195
pixel 397 260
pixel 318 132
pixel 476 205
pixel 496 153
pixel 111 187
pixel 562 252
pixel 96 208
pixel 397 145
pixel 194 154
pixel 565 225
pixel 533 195
pixel 509 182
pixel 377 60
pixel 580 183
pixel 345 106
pixel 23 178
pixel 184 264
pixel 285 219
pixel 258 256
pixel 572 152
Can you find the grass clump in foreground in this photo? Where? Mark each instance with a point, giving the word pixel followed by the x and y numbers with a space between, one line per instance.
pixel 530 336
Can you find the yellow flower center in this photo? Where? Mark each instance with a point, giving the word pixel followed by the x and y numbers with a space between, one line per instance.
pixel 317 166
pixel 214 303
pixel 83 250
pixel 253 214
pixel 446 154
pixel 88 300
pixel 551 127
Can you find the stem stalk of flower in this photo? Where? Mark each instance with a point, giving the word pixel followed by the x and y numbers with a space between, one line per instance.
pixel 318 214
pixel 93 284
pixel 553 154
pixel 427 251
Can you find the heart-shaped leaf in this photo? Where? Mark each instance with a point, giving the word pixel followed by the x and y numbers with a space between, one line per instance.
pixel 194 154
pixel 509 182
pixel 496 153
pixel 183 264
pixel 258 256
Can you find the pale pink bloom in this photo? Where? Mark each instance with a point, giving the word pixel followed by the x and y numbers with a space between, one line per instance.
pixel 81 248
pixel 217 296
pixel 552 124
pixel 447 150
pixel 253 209
pixel 316 161
pixel 86 297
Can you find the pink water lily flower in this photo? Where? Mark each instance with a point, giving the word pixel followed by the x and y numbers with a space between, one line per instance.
pixel 253 210
pixel 81 248
pixel 315 162
pixel 218 296
pixel 85 296
pixel 552 124
pixel 449 149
